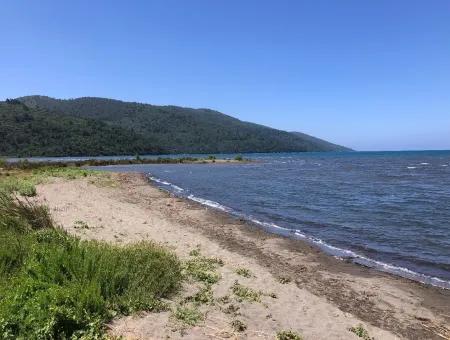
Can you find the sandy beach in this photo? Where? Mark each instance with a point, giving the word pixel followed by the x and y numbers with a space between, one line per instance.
pixel 301 288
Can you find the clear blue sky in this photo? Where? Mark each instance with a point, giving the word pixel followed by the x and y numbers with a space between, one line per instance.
pixel 372 75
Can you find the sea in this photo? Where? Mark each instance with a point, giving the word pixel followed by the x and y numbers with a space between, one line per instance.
pixel 386 210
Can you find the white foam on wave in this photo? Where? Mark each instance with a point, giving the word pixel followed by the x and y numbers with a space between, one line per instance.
pixel 209 203
pixel 411 167
pixel 424 163
pixel 360 259
pixel 160 181
pixel 327 248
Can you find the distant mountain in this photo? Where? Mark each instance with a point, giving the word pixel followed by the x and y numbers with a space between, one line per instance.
pixel 320 142
pixel 39 125
pixel 37 132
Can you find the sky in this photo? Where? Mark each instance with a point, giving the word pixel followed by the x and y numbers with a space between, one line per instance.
pixel 371 75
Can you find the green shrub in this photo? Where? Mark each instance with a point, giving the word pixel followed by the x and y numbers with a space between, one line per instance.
pixel 244 272
pixel 189 316
pixel 288 335
pixel 24 187
pixel 22 214
pixel 203 296
pixel 239 158
pixel 56 286
pixel 203 269
pixel 361 332
pixel 246 293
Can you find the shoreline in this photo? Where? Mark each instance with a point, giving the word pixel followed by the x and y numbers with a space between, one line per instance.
pixel 382 301
pixel 342 254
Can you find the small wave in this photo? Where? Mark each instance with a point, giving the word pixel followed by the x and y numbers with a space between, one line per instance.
pixel 444 165
pixel 327 248
pixel 410 167
pixel 424 163
pixel 160 181
pixel 357 258
pixel 209 203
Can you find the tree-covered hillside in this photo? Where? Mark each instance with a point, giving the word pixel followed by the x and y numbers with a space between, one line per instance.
pixel 37 132
pixel 173 129
pixel 320 142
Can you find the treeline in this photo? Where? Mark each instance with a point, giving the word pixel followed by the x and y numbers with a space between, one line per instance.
pixel 44 126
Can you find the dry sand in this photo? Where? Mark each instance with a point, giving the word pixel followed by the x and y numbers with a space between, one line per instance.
pixel 324 299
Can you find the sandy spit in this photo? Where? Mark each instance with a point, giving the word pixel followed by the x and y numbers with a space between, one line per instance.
pixel 322 300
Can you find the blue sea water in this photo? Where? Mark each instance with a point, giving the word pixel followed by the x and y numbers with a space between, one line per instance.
pixel 388 210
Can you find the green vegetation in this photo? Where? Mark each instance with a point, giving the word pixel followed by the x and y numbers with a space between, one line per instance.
pixel 288 335
pixel 188 315
pixel 38 126
pixel 361 332
pixel 244 293
pixel 238 158
pixel 38 132
pixel 202 297
pixel 203 269
pixel 24 182
pixel 244 272
pixel 24 187
pixel 56 286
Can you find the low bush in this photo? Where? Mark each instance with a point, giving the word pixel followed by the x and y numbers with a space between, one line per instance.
pixel 244 272
pixel 288 335
pixel 245 293
pixel 361 332
pixel 56 286
pixel 203 269
pixel 189 316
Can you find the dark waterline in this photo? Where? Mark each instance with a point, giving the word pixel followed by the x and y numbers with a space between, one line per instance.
pixel 389 210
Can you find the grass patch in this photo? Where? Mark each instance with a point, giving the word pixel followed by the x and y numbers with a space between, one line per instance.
pixel 244 272
pixel 203 269
pixel 24 182
pixel 188 315
pixel 361 332
pixel 56 286
pixel 244 293
pixel 288 335
pixel 203 296
pixel 24 187
pixel 195 252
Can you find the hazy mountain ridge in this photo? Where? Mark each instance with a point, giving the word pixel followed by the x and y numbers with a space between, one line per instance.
pixel 149 129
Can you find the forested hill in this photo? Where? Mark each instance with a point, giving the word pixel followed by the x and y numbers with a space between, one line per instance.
pixel 98 126
pixel 320 142
pixel 37 132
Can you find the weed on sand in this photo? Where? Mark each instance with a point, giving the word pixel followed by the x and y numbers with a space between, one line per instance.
pixel 56 286
pixel 288 335
pixel 203 269
pixel 361 332
pixel 244 293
